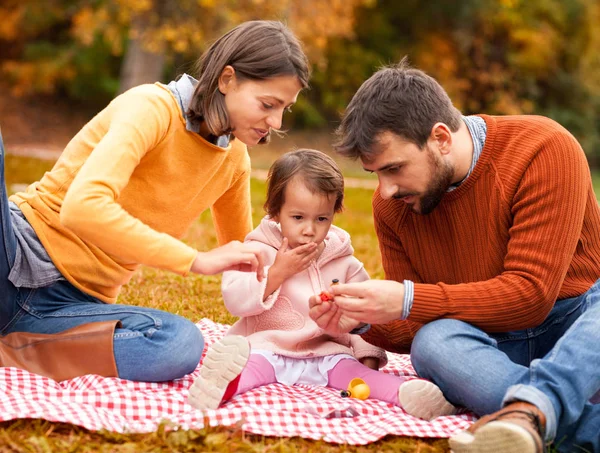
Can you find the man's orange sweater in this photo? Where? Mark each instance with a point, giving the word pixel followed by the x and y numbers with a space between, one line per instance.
pixel 128 186
pixel 522 232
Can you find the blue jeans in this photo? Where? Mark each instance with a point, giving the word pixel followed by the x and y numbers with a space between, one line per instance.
pixel 149 345
pixel 555 366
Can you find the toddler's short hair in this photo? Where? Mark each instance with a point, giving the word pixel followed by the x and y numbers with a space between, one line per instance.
pixel 319 172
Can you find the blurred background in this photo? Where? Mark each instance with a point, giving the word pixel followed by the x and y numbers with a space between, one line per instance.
pixel 63 60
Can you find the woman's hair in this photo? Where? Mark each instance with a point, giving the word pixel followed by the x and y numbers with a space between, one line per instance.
pixel 257 50
pixel 319 172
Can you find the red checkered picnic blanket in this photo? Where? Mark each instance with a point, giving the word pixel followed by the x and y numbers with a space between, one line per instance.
pixel 275 410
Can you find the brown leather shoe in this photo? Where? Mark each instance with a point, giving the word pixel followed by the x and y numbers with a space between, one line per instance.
pixel 518 427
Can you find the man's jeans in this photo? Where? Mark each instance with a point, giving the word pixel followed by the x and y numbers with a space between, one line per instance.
pixel 555 366
pixel 150 345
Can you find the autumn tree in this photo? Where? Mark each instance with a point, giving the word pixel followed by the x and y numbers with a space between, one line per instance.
pixel 492 56
pixel 147 34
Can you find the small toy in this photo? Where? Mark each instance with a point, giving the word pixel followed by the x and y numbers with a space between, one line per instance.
pixel 325 296
pixel 357 388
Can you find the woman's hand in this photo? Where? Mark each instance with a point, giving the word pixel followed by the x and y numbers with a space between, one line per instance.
pixel 231 256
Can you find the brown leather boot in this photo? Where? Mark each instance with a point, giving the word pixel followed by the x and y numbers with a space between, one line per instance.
pixel 517 428
pixel 85 349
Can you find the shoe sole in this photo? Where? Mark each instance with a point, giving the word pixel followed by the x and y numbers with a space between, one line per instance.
pixel 494 437
pixel 224 361
pixel 424 399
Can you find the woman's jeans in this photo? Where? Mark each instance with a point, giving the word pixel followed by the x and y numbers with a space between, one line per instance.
pixel 149 345
pixel 555 366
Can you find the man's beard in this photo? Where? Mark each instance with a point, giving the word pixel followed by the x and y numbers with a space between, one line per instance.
pixel 442 175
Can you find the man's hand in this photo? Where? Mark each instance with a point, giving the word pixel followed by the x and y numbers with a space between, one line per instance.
pixel 329 317
pixel 231 256
pixel 371 301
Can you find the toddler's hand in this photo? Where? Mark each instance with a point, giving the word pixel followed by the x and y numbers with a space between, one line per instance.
pixel 329 317
pixel 289 262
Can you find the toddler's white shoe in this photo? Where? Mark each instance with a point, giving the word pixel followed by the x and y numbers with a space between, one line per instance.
pixel 424 399
pixel 224 362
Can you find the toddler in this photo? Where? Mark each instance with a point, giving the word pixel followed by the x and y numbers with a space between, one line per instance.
pixel 275 340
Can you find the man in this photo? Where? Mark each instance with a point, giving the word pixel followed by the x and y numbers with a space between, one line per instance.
pixel 489 232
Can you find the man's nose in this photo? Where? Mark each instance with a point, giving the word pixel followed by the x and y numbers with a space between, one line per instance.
pixel 387 190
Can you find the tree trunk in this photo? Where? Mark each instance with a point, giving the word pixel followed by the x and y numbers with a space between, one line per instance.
pixel 140 65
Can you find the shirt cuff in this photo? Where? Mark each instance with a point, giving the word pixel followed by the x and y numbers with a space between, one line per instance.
pixel 409 297
pixel 361 329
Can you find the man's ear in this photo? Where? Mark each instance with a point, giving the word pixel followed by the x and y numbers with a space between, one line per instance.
pixel 441 137
pixel 226 79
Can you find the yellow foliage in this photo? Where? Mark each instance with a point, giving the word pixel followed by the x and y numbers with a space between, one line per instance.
pixel 135 6
pixel 315 22
pixel 11 22
pixel 511 4
pixel 169 33
pixel 183 27
pixel 181 46
pixel 507 104
pixel 27 75
pixel 113 35
pixel 590 58
pixel 207 3
pixel 438 56
pixel 537 49
pixel 83 27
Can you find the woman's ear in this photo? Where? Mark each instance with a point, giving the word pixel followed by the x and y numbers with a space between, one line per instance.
pixel 226 79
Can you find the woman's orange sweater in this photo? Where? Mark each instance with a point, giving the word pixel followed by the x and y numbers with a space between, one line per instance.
pixel 126 189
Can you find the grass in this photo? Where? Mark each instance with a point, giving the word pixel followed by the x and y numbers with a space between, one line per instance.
pixel 40 436
pixel 263 156
pixel 166 291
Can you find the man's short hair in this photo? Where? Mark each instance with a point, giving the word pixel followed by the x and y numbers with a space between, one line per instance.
pixel 398 99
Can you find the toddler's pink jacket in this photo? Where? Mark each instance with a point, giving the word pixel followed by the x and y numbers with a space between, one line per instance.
pixel 281 323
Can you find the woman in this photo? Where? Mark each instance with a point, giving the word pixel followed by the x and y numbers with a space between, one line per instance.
pixel 123 192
